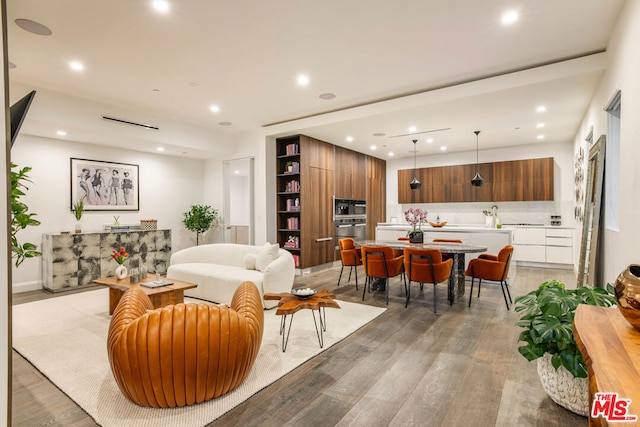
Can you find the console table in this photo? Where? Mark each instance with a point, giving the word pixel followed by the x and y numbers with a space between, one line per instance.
pixel 71 261
pixel 611 349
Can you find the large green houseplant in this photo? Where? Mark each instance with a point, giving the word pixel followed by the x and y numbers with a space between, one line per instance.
pixel 200 218
pixel 546 315
pixel 21 218
pixel 547 318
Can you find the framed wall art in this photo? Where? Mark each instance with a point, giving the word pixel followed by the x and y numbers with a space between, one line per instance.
pixel 105 186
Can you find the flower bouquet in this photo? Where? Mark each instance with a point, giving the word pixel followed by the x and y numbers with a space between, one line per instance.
pixel 415 217
pixel 120 257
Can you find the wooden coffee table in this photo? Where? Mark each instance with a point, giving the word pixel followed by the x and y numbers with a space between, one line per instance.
pixel 160 297
pixel 290 304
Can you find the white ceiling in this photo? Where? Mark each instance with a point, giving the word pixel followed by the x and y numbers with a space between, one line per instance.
pixel 424 63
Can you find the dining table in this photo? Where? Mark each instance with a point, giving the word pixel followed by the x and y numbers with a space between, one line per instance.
pixel 458 251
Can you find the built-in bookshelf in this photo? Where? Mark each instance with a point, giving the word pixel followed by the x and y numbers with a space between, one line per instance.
pixel 288 194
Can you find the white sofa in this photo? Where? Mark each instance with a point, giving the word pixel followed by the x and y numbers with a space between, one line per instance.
pixel 219 268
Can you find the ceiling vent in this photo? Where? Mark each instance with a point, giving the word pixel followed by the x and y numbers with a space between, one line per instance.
pixel 127 122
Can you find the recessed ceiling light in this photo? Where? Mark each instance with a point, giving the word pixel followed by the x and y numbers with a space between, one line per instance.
pixel 236 172
pixel 429 140
pixel 155 90
pixel 412 129
pixel 161 149
pixel 349 139
pixel 225 123
pixel 509 17
pixel 76 66
pixel 541 109
pixel 214 109
pixel 161 6
pixel 61 133
pixel 540 137
pixel 33 27
pixel 373 147
pixel 391 154
pixel 378 134
pixel 443 148
pixel 540 125
pixel 327 95
pixel 302 80
pixel 193 84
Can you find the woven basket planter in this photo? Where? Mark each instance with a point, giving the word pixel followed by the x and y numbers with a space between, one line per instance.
pixel 563 388
pixel 149 224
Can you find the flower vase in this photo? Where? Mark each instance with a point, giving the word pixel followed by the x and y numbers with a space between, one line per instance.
pixel 416 236
pixel 78 227
pixel 121 272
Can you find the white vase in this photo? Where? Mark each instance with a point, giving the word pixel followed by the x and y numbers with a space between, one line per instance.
pixel 563 388
pixel 78 228
pixel 121 272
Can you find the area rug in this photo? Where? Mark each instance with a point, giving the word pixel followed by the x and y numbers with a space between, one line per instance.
pixel 65 339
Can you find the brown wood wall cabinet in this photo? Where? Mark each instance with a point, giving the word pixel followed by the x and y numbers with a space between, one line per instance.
pixel 319 171
pixel 516 180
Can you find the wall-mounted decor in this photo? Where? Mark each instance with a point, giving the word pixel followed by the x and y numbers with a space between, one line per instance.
pixel 104 186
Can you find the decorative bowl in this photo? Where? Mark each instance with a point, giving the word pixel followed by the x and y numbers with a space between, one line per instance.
pixel 438 224
pixel 628 295
pixel 303 293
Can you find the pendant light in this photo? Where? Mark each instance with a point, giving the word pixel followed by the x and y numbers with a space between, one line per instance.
pixel 415 184
pixel 477 180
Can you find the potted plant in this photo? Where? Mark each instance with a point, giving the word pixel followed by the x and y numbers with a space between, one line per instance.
pixel 200 218
pixel 415 217
pixel 78 210
pixel 546 315
pixel 21 218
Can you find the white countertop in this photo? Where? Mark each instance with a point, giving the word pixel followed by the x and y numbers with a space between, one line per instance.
pixel 466 227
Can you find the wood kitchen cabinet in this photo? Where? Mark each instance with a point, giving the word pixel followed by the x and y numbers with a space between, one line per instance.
pixel 516 180
pixel 304 194
pixel 350 174
pixel 376 194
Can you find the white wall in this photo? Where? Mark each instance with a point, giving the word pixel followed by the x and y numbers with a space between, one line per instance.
pixel 509 212
pixel 168 186
pixel 621 248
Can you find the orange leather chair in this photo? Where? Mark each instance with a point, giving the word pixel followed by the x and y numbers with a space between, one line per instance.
pixel 380 262
pixel 183 354
pixel 447 256
pixel 491 267
pixel 350 257
pixel 427 266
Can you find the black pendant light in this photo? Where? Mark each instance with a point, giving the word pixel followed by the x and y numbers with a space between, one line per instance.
pixel 415 184
pixel 477 180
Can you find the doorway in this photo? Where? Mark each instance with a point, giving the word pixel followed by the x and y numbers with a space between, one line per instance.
pixel 238 201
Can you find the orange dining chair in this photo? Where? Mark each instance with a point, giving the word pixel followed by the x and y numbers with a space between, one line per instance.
pixel 398 252
pixel 427 266
pixel 350 257
pixel 447 256
pixel 493 268
pixel 379 262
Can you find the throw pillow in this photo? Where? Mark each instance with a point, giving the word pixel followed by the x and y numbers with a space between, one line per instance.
pixel 267 255
pixel 249 261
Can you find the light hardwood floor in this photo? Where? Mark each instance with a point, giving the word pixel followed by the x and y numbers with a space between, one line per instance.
pixel 459 367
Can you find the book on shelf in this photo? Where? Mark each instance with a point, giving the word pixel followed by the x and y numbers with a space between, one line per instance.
pixel 293 223
pixel 292 167
pixel 293 242
pixel 292 186
pixel 296 260
pixel 293 205
pixel 291 149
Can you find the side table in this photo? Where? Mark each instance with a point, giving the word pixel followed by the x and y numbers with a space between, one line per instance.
pixel 290 304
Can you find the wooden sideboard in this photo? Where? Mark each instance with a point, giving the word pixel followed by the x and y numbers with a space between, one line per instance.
pixel 611 349
pixel 71 261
